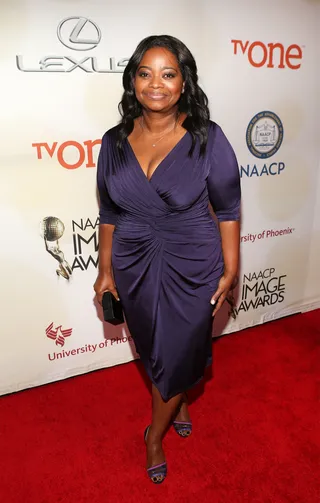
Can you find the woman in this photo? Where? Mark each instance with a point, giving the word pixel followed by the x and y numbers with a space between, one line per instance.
pixel 160 248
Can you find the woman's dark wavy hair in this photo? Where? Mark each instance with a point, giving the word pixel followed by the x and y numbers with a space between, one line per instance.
pixel 193 101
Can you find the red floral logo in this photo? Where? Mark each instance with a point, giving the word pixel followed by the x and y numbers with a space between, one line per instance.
pixel 57 334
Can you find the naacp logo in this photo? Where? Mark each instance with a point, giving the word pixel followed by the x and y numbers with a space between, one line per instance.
pixel 57 334
pixel 264 134
pixel 79 33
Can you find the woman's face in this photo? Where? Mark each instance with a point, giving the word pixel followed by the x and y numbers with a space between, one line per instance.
pixel 158 80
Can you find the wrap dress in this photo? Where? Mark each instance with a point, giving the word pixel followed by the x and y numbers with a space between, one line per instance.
pixel 166 249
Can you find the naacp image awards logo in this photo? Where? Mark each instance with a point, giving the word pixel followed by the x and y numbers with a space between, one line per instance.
pixel 51 230
pixel 85 244
pixel 262 289
pixel 264 134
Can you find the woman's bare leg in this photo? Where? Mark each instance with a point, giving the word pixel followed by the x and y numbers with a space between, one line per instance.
pixel 162 414
pixel 182 411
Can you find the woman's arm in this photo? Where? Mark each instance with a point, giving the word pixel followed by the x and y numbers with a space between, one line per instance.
pixel 224 191
pixel 230 237
pixel 230 240
pixel 108 213
pixel 105 280
pixel 105 248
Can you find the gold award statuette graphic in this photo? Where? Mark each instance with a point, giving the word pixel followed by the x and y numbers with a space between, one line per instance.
pixel 51 230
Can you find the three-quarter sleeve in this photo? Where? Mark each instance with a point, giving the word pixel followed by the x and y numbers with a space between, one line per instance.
pixel 223 180
pixel 108 210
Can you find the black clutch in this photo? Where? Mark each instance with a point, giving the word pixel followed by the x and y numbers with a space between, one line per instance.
pixel 112 309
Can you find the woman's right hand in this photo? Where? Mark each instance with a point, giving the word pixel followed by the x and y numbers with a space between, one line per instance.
pixel 105 283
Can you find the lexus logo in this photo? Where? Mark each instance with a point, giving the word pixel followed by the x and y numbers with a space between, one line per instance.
pixel 79 33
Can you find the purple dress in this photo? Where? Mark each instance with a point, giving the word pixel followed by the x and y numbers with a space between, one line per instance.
pixel 166 250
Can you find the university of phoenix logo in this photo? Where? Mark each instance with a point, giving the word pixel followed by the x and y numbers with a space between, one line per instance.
pixel 57 334
pixel 79 34
pixel 269 55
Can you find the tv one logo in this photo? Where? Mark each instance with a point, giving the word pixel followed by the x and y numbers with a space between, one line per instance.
pixel 273 55
pixel 81 153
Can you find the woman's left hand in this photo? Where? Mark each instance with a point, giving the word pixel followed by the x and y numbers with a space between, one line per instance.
pixel 226 283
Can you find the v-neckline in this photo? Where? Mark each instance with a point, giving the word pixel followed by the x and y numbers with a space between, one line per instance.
pixel 161 162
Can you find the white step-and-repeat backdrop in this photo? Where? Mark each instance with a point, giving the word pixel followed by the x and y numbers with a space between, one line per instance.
pixel 62 64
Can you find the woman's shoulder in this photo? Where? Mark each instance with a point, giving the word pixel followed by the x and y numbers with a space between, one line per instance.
pixel 218 142
pixel 111 135
pixel 216 134
pixel 214 128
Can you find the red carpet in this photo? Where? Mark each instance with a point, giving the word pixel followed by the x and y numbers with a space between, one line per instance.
pixel 256 430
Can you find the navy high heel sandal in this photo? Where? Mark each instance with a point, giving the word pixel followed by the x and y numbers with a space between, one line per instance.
pixel 156 473
pixel 183 428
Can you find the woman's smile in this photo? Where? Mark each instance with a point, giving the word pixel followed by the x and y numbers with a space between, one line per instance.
pixel 155 96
